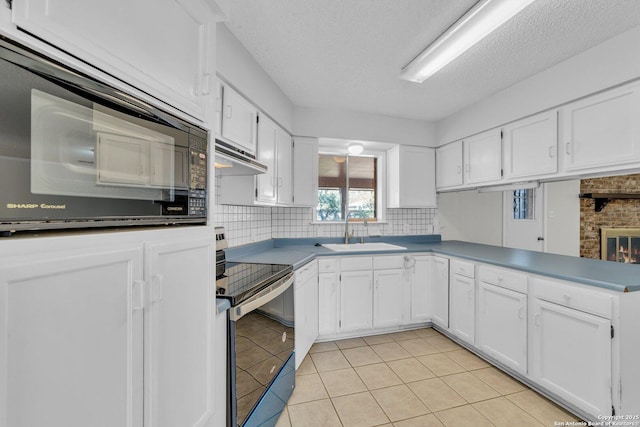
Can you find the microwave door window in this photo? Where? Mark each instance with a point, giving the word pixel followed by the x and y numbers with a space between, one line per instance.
pixel 78 151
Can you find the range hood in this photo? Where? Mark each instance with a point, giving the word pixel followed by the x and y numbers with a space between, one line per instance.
pixel 230 160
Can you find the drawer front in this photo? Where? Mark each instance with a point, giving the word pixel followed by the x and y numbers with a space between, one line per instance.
pixel 328 265
pixel 386 262
pixel 576 297
pixel 356 263
pixel 508 279
pixel 306 272
pixel 463 268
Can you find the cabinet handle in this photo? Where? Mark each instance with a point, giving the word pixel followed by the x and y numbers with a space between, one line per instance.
pixel 567 148
pixel 467 167
pixel 206 84
pixel 566 297
pixel 459 169
pixel 551 152
pixel 137 295
pixel 156 288
pixel 521 313
pixel 229 111
pixel 279 182
pixel 470 294
pixel 536 319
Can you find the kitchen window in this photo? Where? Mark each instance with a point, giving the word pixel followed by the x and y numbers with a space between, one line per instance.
pixel 523 204
pixel 348 183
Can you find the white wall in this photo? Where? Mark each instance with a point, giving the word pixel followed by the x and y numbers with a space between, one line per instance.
pixel 238 67
pixel 471 216
pixel 562 229
pixel 362 126
pixel 608 64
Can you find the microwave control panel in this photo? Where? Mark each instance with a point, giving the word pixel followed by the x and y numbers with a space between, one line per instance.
pixel 197 176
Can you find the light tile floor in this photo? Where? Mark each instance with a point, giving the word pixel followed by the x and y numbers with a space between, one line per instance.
pixel 413 378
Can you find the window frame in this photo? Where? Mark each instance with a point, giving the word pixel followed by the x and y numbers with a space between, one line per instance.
pixel 381 178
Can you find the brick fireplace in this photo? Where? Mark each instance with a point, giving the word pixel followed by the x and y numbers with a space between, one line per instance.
pixel 616 214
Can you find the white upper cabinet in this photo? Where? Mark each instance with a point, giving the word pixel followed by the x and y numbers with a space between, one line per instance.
pixel 162 47
pixel 239 120
pixel 531 146
pixel 266 183
pixel 284 167
pixel 449 165
pixel 602 130
pixel 411 179
pixel 483 157
pixel 305 171
pixel 274 151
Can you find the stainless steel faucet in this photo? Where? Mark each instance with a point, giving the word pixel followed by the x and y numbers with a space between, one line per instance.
pixel 346 224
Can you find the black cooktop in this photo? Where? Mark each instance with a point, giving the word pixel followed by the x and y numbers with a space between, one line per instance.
pixel 241 280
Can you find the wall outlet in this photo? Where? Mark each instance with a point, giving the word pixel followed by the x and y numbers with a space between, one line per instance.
pixel 373 230
pixel 406 228
pixel 429 229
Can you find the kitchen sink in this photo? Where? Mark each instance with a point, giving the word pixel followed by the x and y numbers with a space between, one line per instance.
pixel 356 247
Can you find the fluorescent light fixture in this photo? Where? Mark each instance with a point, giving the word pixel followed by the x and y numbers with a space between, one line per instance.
pixel 510 187
pixel 355 149
pixel 477 23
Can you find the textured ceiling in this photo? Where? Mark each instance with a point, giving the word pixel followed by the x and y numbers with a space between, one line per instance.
pixel 347 54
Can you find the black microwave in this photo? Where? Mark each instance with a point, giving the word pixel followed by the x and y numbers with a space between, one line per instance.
pixel 76 153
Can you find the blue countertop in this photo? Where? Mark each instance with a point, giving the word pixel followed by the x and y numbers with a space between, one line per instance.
pixel 592 272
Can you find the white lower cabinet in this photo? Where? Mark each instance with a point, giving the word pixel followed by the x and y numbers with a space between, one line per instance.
pixel 570 347
pixel 356 300
pixel 417 274
pixel 306 309
pixel 387 298
pixel 122 332
pixel 502 325
pixel 440 292
pixel 178 347
pixel 328 296
pixel 462 301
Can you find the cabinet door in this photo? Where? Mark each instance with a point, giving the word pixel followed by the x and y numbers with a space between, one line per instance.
pixel 449 165
pixel 305 171
pixel 419 296
pixel 483 157
pixel 387 298
pixel 602 130
pixel 462 306
pixel 531 146
pixel 559 361
pixel 328 303
pixel 411 177
pixel 356 300
pixel 285 167
pixel 239 120
pixel 71 339
pixel 440 301
pixel 267 183
pixel 162 47
pixel 178 348
pixel 502 325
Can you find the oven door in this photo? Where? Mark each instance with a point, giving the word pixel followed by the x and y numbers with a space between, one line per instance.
pixel 261 355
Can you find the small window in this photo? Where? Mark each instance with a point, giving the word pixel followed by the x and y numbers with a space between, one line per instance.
pixel 336 188
pixel 523 204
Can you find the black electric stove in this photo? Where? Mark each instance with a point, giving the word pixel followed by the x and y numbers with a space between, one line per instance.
pixel 239 281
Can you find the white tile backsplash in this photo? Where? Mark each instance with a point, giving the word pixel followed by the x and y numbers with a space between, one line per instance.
pixel 249 224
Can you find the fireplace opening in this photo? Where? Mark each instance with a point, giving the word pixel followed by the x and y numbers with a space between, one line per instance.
pixel 620 244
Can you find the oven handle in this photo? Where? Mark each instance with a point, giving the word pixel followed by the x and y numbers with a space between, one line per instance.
pixel 261 298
